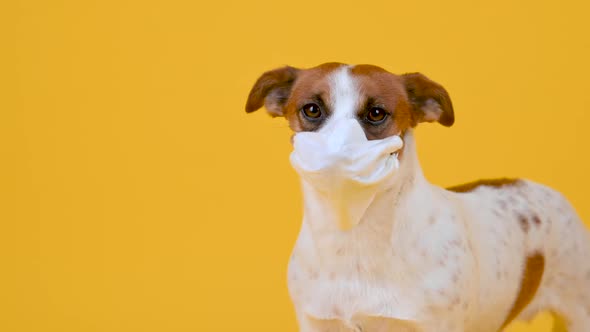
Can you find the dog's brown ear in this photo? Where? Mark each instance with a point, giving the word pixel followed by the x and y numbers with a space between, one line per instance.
pixel 272 90
pixel 430 100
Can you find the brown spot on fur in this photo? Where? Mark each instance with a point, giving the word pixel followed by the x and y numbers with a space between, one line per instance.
pixel 524 223
pixel 423 253
pixel 531 279
pixel 313 275
pixel 495 183
pixel 536 220
pixel 431 220
pixel 337 311
pixel 454 303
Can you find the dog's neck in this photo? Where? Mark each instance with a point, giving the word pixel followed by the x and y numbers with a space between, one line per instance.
pixel 389 206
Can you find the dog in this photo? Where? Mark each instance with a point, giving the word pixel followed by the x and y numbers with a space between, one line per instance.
pixel 472 257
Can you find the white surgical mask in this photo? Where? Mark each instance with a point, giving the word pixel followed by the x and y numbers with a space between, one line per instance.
pixel 344 169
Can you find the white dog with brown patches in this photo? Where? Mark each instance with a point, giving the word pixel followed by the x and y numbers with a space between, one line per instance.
pixel 381 249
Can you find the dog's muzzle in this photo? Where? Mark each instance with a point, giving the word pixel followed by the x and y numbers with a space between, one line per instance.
pixel 345 168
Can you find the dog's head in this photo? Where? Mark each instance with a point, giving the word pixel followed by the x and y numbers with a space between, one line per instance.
pixel 347 121
pixel 384 104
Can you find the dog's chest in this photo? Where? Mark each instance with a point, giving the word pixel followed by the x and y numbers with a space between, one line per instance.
pixel 350 293
pixel 377 271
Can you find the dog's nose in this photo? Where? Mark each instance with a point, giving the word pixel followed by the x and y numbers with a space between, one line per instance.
pixel 343 132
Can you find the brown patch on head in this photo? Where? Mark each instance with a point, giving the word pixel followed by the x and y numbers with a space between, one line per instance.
pixel 536 220
pixel 280 89
pixel 496 183
pixel 311 87
pixel 409 99
pixel 381 89
pixel 531 279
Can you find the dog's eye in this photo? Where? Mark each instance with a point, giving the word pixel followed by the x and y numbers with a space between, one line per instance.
pixel 376 115
pixel 312 111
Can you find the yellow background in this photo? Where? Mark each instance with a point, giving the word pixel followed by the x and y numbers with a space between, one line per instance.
pixel 136 194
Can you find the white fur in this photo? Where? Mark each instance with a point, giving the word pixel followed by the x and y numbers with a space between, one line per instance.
pixel 344 97
pixel 426 259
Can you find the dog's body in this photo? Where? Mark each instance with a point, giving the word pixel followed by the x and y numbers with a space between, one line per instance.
pixel 422 258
